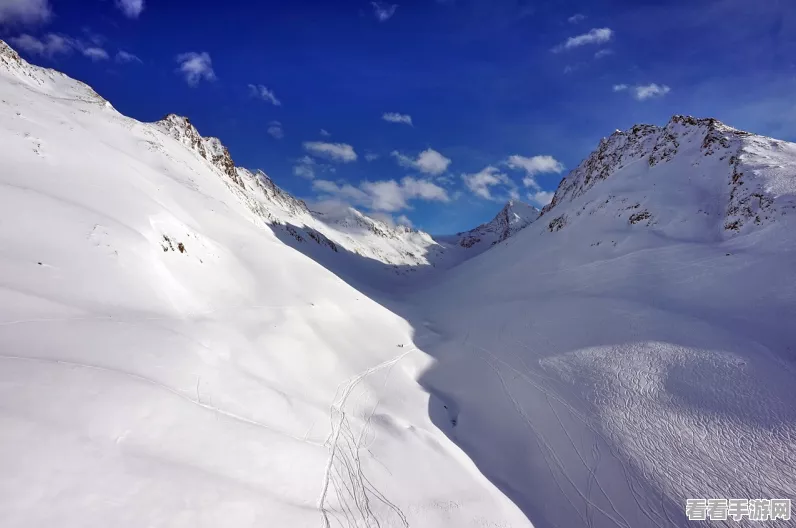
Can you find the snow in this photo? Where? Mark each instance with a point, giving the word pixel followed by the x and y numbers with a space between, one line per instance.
pixel 183 343
pixel 168 361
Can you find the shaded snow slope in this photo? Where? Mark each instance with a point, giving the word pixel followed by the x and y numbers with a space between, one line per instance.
pixel 167 360
pixel 634 347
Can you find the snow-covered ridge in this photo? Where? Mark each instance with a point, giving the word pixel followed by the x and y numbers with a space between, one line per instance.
pixel 514 217
pixel 744 179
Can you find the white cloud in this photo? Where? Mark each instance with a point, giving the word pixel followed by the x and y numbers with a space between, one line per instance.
pixel 404 221
pixel 594 36
pixel 533 166
pixel 123 57
pixel 333 151
pixel 196 67
pixel 642 92
pixel 130 8
pixel 603 53
pixel 371 156
pixel 324 133
pixel 305 168
pixel 95 54
pixel 275 130
pixel 394 117
pixel 481 183
pixel 26 12
pixel 264 93
pixel 649 91
pixel 577 17
pixel 387 195
pixel 50 45
pixel 383 11
pixel 428 162
pixel 540 198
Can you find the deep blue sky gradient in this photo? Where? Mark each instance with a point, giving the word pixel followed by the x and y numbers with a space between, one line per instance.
pixel 478 78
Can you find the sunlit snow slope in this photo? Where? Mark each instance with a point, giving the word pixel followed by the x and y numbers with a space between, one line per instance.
pixel 635 346
pixel 167 360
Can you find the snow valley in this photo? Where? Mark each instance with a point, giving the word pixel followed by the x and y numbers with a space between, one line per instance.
pixel 183 343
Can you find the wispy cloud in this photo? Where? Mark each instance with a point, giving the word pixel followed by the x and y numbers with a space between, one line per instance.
pixel 648 91
pixel 24 12
pixel 386 195
pixel 95 53
pixel 371 156
pixel 481 183
pixel 383 11
pixel 576 18
pixel 533 166
pixel 429 162
pixel 125 57
pixel 603 53
pixel 49 45
pixel 262 92
pixel 339 152
pixel 594 36
pixel 325 133
pixel 394 117
pixel 275 130
pixel 130 8
pixel 196 67
pixel 642 92
pixel 305 168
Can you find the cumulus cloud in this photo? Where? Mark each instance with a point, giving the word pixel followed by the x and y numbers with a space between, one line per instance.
pixel 383 11
pixel 196 67
pixel 261 92
pixel 577 17
pixel 649 91
pixel 394 117
pixel 95 54
pixel 126 57
pixel 24 12
pixel 533 166
pixel 275 130
pixel 428 162
pixel 481 183
pixel 130 8
pixel 49 45
pixel 594 36
pixel 340 152
pixel 620 87
pixel 387 195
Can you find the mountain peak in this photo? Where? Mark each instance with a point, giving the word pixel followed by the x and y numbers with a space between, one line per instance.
pixel 513 217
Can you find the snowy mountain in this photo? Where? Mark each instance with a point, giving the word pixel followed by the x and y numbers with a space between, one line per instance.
pixel 637 338
pixel 514 217
pixel 170 359
pixel 183 343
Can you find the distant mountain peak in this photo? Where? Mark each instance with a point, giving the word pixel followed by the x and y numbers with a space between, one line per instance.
pixel 512 218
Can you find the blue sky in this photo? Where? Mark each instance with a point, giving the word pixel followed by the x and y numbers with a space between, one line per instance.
pixel 504 96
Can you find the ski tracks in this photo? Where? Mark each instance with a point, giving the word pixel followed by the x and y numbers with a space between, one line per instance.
pixel 343 471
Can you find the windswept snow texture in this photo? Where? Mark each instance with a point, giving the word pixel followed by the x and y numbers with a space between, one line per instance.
pixel 179 345
pixel 166 360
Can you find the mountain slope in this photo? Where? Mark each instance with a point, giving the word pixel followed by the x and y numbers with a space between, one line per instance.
pixel 632 348
pixel 167 360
